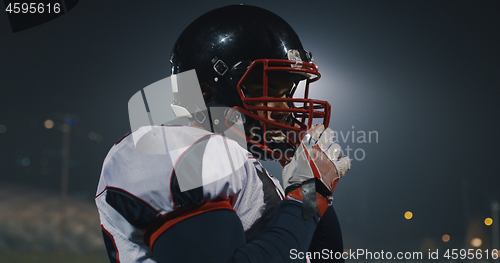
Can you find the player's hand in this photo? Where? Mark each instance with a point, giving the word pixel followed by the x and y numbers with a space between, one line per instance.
pixel 317 158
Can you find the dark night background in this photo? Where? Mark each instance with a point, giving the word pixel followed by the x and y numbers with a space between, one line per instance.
pixel 425 75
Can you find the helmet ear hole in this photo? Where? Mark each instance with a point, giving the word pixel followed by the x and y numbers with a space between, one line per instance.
pixel 207 91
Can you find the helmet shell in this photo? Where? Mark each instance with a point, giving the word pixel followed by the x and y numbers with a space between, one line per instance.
pixel 222 43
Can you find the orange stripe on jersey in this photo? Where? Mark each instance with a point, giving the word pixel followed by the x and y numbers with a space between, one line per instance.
pixel 164 222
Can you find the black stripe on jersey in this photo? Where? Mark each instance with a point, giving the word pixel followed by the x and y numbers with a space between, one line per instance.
pixel 190 167
pixel 137 212
pixel 109 242
pixel 271 202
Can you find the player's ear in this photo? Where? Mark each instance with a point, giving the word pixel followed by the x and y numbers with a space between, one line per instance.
pixel 207 91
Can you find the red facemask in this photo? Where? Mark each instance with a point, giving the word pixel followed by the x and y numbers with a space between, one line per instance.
pixel 302 110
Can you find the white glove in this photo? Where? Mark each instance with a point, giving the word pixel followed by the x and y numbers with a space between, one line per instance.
pixel 317 156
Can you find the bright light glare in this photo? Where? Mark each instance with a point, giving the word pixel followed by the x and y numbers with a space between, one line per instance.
pixel 476 242
pixel 408 215
pixel 49 124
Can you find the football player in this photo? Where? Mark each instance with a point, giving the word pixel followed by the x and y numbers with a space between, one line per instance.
pixel 205 198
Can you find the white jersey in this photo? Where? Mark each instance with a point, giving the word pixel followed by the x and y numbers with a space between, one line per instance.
pixel 141 193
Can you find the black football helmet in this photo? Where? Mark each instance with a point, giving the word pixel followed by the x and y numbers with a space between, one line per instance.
pixel 226 45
